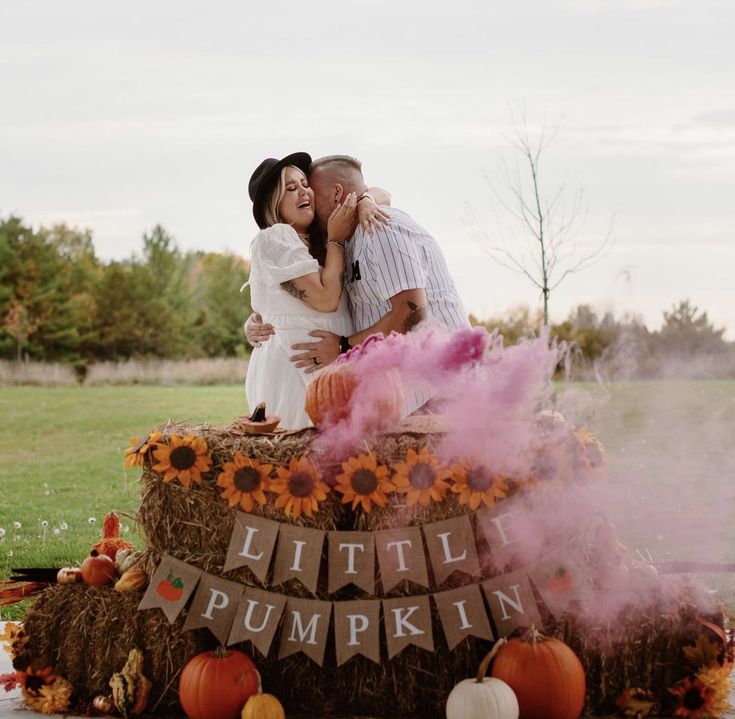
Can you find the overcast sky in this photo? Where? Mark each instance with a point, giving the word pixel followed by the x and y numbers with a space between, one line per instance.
pixel 119 116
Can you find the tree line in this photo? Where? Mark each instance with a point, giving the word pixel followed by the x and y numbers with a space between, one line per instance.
pixel 60 303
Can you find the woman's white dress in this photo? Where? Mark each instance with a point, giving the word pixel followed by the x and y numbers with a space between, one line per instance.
pixel 277 255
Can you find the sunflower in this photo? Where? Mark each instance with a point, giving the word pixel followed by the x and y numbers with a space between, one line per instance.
pixel 183 458
pixel 477 485
pixel 135 454
pixel 299 488
pixel 245 481
pixel 695 699
pixel 364 481
pixel 638 703
pixel 421 478
pixel 717 680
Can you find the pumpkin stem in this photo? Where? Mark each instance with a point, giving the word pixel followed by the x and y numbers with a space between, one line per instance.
pixel 482 670
pixel 259 414
pixel 534 636
pixel 220 651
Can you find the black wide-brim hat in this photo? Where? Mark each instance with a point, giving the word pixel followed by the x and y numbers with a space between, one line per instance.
pixel 265 177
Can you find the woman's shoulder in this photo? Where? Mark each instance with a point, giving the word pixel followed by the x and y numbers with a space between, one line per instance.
pixel 279 231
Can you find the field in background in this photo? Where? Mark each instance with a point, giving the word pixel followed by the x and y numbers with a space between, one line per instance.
pixel 670 446
pixel 149 372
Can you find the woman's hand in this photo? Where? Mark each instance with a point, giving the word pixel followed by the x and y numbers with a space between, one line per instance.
pixel 256 331
pixel 343 220
pixel 370 216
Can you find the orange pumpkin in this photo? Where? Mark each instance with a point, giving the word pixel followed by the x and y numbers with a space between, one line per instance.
pixel 545 674
pixel 111 541
pixel 329 394
pixel 216 685
pixel 98 569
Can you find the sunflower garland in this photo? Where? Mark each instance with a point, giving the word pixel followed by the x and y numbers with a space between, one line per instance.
pixel 299 488
pixel 43 691
pixel 421 478
pixel 363 482
pixel 136 453
pixel 695 699
pixel 183 458
pixel 245 482
pixel 476 485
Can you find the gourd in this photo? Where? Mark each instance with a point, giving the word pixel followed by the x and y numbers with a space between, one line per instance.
pixel 69 575
pixel 216 684
pixel 111 541
pixel 545 674
pixel 126 559
pixel 130 688
pixel 131 581
pixel 482 697
pixel 98 569
pixel 263 706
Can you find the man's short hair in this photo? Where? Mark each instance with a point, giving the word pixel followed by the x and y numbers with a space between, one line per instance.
pixel 337 162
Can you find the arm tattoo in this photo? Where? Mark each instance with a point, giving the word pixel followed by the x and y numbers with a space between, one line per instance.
pixel 416 315
pixel 294 290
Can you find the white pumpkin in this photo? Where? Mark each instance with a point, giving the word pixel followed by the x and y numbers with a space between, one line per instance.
pixel 489 699
pixel 483 697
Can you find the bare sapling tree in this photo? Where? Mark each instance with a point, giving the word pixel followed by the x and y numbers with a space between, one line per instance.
pixel 550 248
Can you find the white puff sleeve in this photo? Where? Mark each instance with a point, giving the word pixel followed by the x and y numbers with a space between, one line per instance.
pixel 279 254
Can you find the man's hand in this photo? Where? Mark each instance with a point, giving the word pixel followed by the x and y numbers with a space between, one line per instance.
pixel 324 352
pixel 256 332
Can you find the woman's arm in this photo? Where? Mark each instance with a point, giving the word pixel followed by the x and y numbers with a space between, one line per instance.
pixel 322 290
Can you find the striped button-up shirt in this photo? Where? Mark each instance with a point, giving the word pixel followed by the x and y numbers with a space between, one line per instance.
pixel 400 256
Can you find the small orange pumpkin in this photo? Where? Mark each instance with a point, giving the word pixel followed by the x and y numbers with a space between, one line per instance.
pixel 263 706
pixel 98 569
pixel 329 394
pixel 545 674
pixel 216 685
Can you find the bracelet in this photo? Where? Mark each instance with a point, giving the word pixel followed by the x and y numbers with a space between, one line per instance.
pixel 332 242
pixel 344 345
pixel 364 195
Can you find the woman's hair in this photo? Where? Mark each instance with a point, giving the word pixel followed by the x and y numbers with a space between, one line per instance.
pixel 270 211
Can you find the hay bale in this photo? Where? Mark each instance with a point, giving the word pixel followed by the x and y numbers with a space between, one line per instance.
pixel 86 634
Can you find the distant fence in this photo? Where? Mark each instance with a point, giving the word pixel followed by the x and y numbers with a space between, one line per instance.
pixel 150 372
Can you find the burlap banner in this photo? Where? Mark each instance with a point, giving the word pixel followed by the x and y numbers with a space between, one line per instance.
pixel 401 556
pixel 251 545
pixel 357 629
pixel 214 606
pixel 298 555
pixel 256 619
pixel 451 545
pixel 462 614
pixel 352 560
pixel 501 529
pixel 559 580
pixel 170 587
pixel 305 628
pixel 407 621
pixel 511 602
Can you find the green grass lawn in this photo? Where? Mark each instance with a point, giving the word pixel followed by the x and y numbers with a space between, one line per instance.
pixel 61 455
pixel 671 447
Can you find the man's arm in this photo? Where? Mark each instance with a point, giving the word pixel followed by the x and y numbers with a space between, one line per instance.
pixel 407 309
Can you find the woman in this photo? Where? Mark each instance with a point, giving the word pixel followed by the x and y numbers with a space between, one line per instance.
pixel 288 287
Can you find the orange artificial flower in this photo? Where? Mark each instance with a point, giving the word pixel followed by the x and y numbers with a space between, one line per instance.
pixel 245 482
pixel 43 691
pixel 299 488
pixel 421 478
pixel 477 485
pixel 364 481
pixel 695 699
pixel 717 680
pixel 183 458
pixel 135 454
pixel 637 703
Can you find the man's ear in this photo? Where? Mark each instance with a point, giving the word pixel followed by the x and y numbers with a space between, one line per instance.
pixel 339 192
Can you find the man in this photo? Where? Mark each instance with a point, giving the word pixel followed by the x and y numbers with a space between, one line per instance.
pixel 395 277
